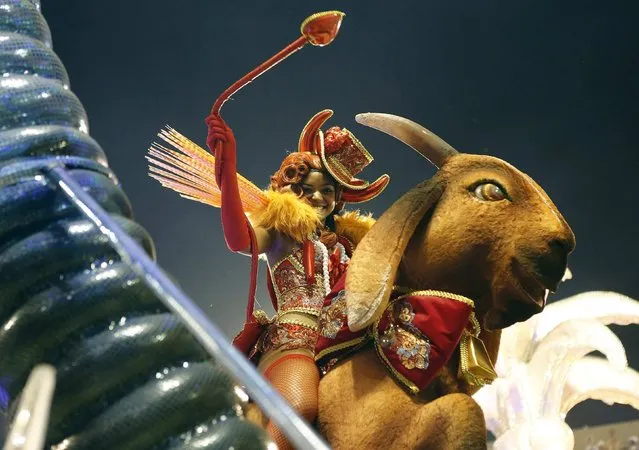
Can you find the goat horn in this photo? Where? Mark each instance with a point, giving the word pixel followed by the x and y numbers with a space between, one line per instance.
pixel 425 142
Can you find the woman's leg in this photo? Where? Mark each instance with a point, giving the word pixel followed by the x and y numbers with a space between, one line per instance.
pixel 296 377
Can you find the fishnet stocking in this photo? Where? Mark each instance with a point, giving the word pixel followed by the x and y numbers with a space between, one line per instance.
pixel 297 379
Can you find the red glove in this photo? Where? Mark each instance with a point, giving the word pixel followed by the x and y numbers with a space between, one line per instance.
pixel 221 142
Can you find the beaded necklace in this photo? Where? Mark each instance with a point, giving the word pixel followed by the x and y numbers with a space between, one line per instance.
pixel 324 252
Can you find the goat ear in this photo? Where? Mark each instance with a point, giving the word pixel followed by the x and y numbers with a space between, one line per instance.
pixel 373 268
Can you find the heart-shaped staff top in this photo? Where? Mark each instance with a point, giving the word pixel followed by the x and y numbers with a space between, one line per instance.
pixel 321 28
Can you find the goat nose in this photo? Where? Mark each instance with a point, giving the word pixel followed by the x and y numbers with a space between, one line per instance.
pixel 563 239
pixel 550 266
pixel 563 245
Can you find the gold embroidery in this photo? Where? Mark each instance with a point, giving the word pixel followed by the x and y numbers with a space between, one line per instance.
pixel 475 367
pixel 292 289
pixel 412 351
pixel 344 173
pixel 276 289
pixel 406 314
pixel 365 153
pixel 285 336
pixel 297 264
pixel 402 338
pixel 333 317
pixel 285 258
pixel 398 376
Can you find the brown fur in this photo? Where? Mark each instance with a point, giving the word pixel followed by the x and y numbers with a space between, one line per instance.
pixel 441 236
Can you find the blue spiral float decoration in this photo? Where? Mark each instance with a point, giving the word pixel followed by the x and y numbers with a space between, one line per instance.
pixel 129 375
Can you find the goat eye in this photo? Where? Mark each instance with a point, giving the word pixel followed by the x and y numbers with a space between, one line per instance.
pixel 489 192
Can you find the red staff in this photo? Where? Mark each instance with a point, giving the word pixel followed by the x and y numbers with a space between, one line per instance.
pixel 320 29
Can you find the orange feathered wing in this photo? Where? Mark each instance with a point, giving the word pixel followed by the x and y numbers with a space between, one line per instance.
pixel 190 170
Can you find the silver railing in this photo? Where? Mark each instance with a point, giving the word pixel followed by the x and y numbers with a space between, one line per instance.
pixel 300 433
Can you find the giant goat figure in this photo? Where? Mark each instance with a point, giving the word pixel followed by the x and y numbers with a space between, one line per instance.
pixel 479 228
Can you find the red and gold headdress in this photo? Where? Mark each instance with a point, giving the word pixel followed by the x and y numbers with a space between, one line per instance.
pixel 343 156
pixel 189 169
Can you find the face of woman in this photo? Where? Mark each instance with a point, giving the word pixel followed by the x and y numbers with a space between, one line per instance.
pixel 319 190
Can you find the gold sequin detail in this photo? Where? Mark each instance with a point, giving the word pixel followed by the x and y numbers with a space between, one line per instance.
pixel 413 352
pixel 291 288
pixel 333 317
pixel 402 338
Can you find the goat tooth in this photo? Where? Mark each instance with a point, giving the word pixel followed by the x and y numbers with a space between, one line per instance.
pixel 567 275
pixel 546 293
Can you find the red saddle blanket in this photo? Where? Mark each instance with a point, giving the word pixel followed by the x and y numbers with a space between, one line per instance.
pixel 415 336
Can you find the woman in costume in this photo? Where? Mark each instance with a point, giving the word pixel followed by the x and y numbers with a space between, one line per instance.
pixel 307 245
pixel 298 224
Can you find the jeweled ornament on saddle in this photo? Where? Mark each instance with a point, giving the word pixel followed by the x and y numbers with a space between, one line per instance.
pixel 410 345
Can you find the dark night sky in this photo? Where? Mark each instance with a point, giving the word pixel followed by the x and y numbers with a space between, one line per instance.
pixel 550 86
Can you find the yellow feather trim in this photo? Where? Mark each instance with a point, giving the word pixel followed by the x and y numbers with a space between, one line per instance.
pixel 353 225
pixel 286 213
pixel 289 215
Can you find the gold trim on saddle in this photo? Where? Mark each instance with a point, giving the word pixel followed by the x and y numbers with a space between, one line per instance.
pixel 341 346
pixel 405 292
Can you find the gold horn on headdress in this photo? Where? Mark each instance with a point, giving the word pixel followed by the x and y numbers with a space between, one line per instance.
pixel 310 137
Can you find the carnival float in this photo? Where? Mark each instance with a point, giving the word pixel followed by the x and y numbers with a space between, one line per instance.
pixel 100 349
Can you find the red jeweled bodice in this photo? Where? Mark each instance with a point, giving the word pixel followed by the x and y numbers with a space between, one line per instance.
pixel 291 288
